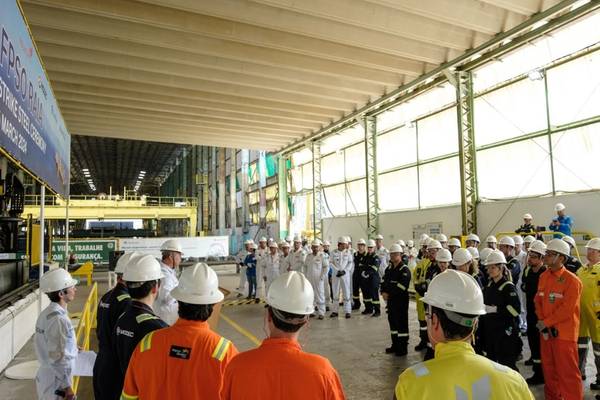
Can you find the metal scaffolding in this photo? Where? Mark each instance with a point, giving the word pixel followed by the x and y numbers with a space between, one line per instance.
pixel 317 191
pixel 466 151
pixel 370 126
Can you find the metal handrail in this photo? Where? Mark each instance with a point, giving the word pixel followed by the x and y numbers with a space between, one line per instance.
pixel 86 324
pixel 148 201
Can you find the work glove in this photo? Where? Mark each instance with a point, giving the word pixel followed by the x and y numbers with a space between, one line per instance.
pixel 540 325
pixel 491 309
pixel 340 273
pixel 364 274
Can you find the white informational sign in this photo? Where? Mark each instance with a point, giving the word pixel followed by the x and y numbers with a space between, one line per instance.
pixel 201 246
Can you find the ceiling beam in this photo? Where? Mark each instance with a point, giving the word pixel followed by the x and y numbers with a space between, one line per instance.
pixel 524 7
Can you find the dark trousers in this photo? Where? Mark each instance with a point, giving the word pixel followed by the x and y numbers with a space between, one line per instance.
pixel 106 378
pixel 370 289
pixel 251 285
pixel 398 319
pixel 533 336
pixel 356 288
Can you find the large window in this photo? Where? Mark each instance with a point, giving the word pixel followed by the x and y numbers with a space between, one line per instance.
pixel 399 190
pixel 438 134
pixel 439 183
pixel 397 148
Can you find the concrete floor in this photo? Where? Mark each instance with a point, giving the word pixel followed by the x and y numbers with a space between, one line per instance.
pixel 355 347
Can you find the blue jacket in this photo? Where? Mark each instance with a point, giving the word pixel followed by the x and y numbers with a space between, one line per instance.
pixel 565 226
pixel 250 263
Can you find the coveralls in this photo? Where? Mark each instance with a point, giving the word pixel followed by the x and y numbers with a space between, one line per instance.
pixel 106 368
pixel 165 305
pixel 260 255
pixel 589 326
pixel 341 261
pixel 250 263
pixel 285 263
pixel 566 222
pixel 573 264
pixel 184 361
pixel 271 269
pixel 500 328
pixel 56 350
pixel 557 305
pixel 328 283
pixel 384 259
pixel 457 372
pixel 420 286
pixel 243 279
pixel 359 262
pixel 529 285
pixel 395 283
pixel 514 267
pixel 316 267
pixel 432 271
pixel 369 283
pixel 297 259
pixel 291 374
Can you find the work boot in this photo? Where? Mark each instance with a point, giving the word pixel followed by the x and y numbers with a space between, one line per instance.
pixel 394 347
pixel 429 354
pixel 536 379
pixel 356 305
pixel 401 352
pixel 348 315
pixel 376 312
pixel 421 346
pixel 367 311
pixel 529 362
pixel 595 385
pixel 321 317
pixel 333 315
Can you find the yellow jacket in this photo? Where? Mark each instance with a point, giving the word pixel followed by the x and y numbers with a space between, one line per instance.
pixel 590 294
pixel 420 270
pixel 457 372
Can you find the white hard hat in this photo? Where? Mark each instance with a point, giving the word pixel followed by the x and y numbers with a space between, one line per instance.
pixel 124 260
pixel 434 244
pixel 495 257
pixel 401 242
pixel 474 252
pixel 395 248
pixel 559 207
pixel 593 244
pixel 348 239
pixel 273 245
pixel 262 239
pixel 484 254
pixel 291 292
pixel 143 269
pixel 198 284
pixel 527 216
pixel 473 237
pixel 424 236
pixel 507 240
pixel 254 246
pixel 537 246
pixel 461 257
pixel 424 241
pixel 361 241
pixel 442 238
pixel 410 243
pixel 379 237
pixel 457 292
pixel 342 240
pixel 518 239
pixel 454 242
pixel 249 241
pixel 326 243
pixel 370 243
pixel 271 240
pixel 569 240
pixel 55 280
pixel 491 239
pixel 284 244
pixel 297 239
pixel 171 245
pixel 316 242
pixel 559 246
pixel 288 238
pixel 528 239
pixel 443 256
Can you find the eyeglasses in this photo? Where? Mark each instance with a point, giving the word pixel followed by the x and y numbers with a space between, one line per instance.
pixel 550 253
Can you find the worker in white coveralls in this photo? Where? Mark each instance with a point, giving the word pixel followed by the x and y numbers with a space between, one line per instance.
pixel 166 306
pixel 341 262
pixel 316 265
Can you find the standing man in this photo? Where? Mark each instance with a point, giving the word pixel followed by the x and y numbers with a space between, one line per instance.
pixel 166 305
pixel 55 341
pixel 326 246
pixel 316 266
pixel 531 277
pixel 420 288
pixel 241 257
pixel 292 374
pixel 492 242
pixel 369 281
pixel 271 265
pixel 250 264
pixel 527 228
pixel 382 253
pixel 359 266
pixel 590 307
pixel 188 359
pixel 453 245
pixel 557 309
pixel 472 240
pixel 394 290
pixel 297 256
pixel 341 263
pixel 261 254
pixel 562 222
pixel 443 239
pixel 572 264
pixel 285 260
pixel 507 247
pixel 111 306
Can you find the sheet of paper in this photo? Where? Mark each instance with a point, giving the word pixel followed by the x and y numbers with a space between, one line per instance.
pixel 84 364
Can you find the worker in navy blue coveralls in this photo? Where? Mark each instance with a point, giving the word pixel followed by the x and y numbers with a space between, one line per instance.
pixel 250 263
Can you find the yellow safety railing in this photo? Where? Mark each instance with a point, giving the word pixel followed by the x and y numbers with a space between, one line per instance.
pixel 585 235
pixel 86 324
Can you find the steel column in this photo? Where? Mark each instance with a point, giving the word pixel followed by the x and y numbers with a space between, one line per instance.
pixel 317 191
pixel 282 198
pixel 213 190
pixel 466 151
pixel 370 126
pixel 233 191
pixel 222 194
pixel 262 183
pixel 245 156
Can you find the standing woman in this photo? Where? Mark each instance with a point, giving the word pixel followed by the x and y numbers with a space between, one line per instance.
pixel 501 339
pixel 463 261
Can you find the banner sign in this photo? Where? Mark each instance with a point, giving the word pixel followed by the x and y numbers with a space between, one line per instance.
pixel 200 247
pixel 97 251
pixel 32 129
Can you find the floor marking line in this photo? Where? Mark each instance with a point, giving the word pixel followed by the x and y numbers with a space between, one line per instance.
pixel 241 330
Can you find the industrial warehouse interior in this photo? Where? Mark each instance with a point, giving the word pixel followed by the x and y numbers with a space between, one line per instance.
pixel 318 199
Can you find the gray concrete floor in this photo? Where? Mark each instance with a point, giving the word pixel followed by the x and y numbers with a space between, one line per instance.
pixel 355 347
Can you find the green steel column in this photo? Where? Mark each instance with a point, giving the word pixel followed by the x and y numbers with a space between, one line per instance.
pixel 205 189
pixel 184 172
pixel 370 126
pixel 213 190
pixel 317 191
pixel 282 205
pixel 245 160
pixel 233 191
pixel 262 183
pixel 221 186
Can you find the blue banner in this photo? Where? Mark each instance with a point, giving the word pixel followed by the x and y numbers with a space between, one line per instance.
pixel 32 129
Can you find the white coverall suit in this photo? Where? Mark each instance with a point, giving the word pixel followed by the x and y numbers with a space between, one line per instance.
pixel 166 306
pixel 341 261
pixel 271 269
pixel 285 263
pixel 260 265
pixel 384 259
pixel 297 260
pixel 316 267
pixel 243 279
pixel 56 350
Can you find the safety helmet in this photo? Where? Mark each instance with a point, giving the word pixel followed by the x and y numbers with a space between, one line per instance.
pixel 593 244
pixel 454 242
pixel 518 239
pixel 455 291
pixel 297 239
pixel 443 256
pixel 348 239
pixel 263 239
pixel 291 292
pixel 537 246
pixel 495 257
pixel 315 242
pixel 288 238
pixel 527 216
pixel 55 280
pixel 171 245
pixel 273 244
pixel 461 257
pixel 198 284
pixel 395 248
pixel 254 246
pixel 434 244
pixel 424 236
pixel 529 239
pixel 473 237
pixel 424 241
pixel 401 242
pixel 506 240
pixel 124 260
pixel 410 243
pixel 342 240
pixel 143 269
pixel 379 237
pixel 326 243
pixel 474 252
pixel 491 239
pixel 284 244
pixel 249 241
pixel 371 243
pixel 559 246
pixel 569 240
pixel 559 207
pixel 442 238
pixel 484 254
pixel 361 241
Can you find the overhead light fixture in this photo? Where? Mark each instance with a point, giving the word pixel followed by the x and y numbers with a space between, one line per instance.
pixel 536 75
